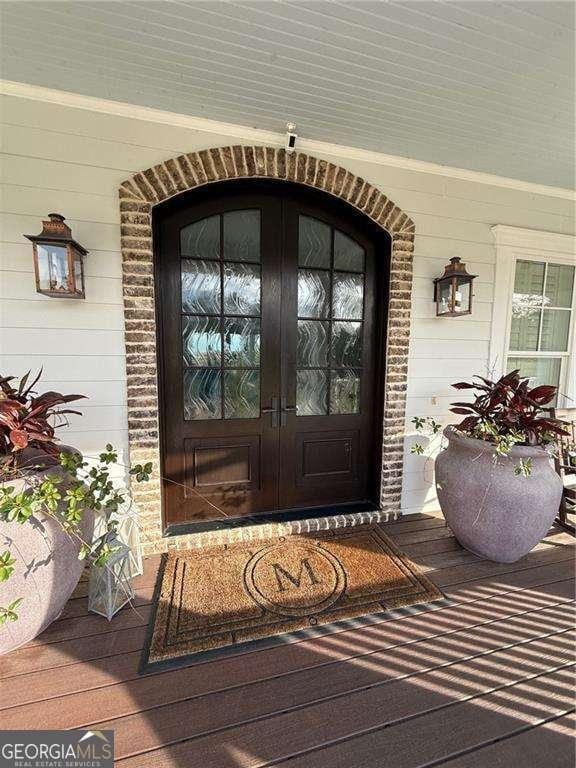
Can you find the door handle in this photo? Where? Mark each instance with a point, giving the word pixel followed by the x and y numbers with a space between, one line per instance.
pixel 284 409
pixel 273 410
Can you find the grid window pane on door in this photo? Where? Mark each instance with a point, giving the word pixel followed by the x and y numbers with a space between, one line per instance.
pixel 330 320
pixel 221 316
pixel 541 320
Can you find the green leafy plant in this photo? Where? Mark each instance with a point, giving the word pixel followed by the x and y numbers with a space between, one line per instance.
pixel 6 565
pixel 67 497
pixel 524 467
pixel 68 490
pixel 427 426
pixel 8 613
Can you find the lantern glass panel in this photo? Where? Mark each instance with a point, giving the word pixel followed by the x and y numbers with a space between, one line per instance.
pixel 462 296
pixel 110 588
pixel 78 282
pixel 444 296
pixel 52 267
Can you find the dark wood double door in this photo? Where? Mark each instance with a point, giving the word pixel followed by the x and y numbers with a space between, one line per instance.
pixel 266 302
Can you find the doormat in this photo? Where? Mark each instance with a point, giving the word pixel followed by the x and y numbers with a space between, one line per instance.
pixel 211 601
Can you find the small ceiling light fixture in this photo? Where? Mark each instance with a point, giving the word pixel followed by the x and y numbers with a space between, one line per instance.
pixel 58 260
pixel 453 291
pixel 291 137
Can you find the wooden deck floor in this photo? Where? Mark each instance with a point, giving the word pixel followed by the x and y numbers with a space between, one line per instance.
pixel 484 682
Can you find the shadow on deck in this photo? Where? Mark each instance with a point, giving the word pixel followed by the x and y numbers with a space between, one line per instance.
pixel 475 683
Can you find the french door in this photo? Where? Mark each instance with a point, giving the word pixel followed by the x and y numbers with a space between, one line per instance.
pixel 267 315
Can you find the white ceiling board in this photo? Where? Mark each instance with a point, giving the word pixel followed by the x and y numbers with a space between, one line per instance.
pixel 486 86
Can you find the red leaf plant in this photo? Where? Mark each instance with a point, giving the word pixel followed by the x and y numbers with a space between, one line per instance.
pixel 508 407
pixel 28 419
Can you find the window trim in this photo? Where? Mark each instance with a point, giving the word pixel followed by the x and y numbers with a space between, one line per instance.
pixel 512 244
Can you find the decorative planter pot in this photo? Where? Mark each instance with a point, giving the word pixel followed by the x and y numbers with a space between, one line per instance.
pixel 47 568
pixel 491 511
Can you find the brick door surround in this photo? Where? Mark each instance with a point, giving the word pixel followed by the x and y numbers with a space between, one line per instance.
pixel 138 196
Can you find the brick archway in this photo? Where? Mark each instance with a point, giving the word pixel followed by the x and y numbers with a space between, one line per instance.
pixel 138 196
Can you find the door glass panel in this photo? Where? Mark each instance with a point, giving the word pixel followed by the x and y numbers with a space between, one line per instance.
pixel 242 235
pixel 348 255
pixel 344 391
pixel 241 342
pixel 313 293
pixel 201 341
pixel 525 328
pixel 347 296
pixel 555 329
pixel 311 393
pixel 241 394
pixel 213 342
pixel 313 336
pixel 200 287
pixel 333 343
pixel 559 285
pixel 346 345
pixel 241 289
pixel 314 243
pixel 201 240
pixel 202 393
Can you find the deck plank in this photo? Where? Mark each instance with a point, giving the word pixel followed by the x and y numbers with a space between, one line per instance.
pixel 376 721
pixel 307 668
pixel 505 625
pixel 450 731
pixel 551 745
pixel 383 684
pixel 526 586
pixel 34 658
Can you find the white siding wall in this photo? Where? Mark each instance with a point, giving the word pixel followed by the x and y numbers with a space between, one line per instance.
pixel 71 161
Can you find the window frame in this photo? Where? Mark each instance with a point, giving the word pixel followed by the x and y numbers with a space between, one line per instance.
pixel 514 244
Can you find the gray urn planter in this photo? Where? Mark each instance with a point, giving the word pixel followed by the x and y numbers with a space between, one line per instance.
pixel 491 511
pixel 47 568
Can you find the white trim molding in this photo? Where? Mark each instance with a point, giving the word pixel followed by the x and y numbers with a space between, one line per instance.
pixel 257 136
pixel 513 243
pixel 534 239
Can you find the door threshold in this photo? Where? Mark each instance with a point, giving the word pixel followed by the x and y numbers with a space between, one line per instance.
pixel 362 512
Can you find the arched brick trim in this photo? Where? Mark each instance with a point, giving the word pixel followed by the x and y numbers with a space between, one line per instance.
pixel 147 188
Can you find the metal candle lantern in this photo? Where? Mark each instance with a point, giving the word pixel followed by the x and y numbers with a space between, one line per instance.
pixel 453 291
pixel 110 587
pixel 58 260
pixel 129 533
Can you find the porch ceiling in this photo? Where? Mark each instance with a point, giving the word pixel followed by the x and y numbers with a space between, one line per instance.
pixel 486 86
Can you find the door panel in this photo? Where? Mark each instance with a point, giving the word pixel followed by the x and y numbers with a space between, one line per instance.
pixel 218 275
pixel 266 310
pixel 329 360
pixel 326 456
pixel 217 462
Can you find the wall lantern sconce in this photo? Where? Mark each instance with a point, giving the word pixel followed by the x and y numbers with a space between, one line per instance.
pixel 58 260
pixel 453 291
